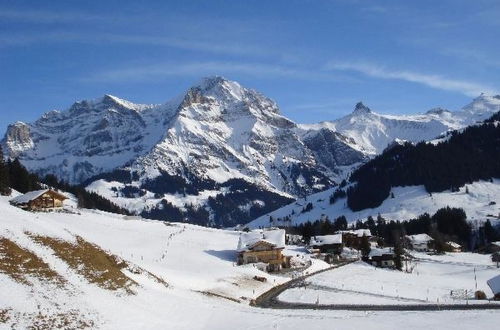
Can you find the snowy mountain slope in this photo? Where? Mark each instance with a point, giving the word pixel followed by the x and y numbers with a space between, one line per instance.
pixel 196 263
pixel 222 131
pixel 482 202
pixel 371 132
pixel 90 138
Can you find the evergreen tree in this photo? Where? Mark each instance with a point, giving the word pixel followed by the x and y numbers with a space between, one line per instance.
pixel 4 176
pixel 340 223
pixel 490 233
pixel 20 179
pixel 365 246
pixel 398 253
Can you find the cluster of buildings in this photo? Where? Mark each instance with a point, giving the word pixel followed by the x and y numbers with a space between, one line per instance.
pixel 266 246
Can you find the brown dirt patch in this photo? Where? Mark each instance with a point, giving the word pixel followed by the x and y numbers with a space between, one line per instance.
pixel 90 261
pixel 65 320
pixel 20 264
pixel 41 320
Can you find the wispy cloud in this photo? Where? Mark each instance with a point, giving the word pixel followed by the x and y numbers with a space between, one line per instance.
pixel 163 70
pixel 219 46
pixel 431 80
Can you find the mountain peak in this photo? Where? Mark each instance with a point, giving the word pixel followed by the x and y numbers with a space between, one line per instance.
pixel 437 111
pixel 211 81
pixel 484 103
pixel 360 108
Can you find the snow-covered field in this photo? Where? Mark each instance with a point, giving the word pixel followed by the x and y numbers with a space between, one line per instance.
pixel 408 203
pixel 446 279
pixel 197 264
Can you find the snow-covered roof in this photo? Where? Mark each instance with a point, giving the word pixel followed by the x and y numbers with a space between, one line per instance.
pixel 378 252
pixel 496 243
pixel 494 284
pixel 357 232
pixel 419 238
pixel 29 196
pixel 454 245
pixel 275 237
pixel 326 239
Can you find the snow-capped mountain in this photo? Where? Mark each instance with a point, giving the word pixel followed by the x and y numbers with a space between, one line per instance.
pixel 89 138
pixel 372 132
pixel 219 154
pixel 216 140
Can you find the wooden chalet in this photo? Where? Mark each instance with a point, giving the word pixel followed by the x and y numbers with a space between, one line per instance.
pixel 419 242
pixel 354 238
pixel 453 247
pixel 381 257
pixel 39 200
pixel 264 246
pixel 331 244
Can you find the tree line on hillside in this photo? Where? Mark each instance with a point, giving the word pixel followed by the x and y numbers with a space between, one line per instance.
pixel 13 175
pixel 464 157
pixel 447 224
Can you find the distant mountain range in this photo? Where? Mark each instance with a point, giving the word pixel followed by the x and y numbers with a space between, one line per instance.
pixel 220 154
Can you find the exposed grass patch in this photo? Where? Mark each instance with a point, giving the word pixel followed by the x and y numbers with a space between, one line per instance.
pixel 5 315
pixel 20 264
pixel 71 319
pixel 40 320
pixel 89 260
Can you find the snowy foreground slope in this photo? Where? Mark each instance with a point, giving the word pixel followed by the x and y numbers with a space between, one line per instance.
pixel 190 259
pixel 448 279
pixel 408 203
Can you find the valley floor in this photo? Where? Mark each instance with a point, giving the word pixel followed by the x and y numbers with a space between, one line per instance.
pixel 98 270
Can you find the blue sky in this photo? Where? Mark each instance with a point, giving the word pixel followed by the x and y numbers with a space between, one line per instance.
pixel 315 58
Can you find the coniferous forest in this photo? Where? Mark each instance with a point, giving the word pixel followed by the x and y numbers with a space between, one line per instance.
pixel 464 157
pixel 13 175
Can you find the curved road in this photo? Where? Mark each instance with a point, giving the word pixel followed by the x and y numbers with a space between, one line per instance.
pixel 270 299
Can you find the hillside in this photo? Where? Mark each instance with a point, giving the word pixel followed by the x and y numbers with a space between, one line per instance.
pixel 464 157
pixel 55 261
pixel 480 203
pixel 97 270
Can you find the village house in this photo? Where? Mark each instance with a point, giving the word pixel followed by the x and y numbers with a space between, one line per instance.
pixel 354 238
pixel 494 284
pixel 381 257
pixel 39 200
pixel 264 246
pixel 419 242
pixel 453 247
pixel 331 244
